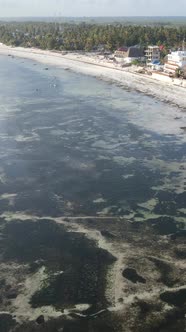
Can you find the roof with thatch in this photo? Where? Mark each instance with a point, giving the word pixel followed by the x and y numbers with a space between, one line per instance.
pixel 130 52
pixel 135 52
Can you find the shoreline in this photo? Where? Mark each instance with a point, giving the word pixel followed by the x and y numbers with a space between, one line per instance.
pixel 90 65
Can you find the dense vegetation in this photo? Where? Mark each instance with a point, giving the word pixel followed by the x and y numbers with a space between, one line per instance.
pixel 87 37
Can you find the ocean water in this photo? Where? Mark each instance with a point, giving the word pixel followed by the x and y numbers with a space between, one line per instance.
pixel 72 145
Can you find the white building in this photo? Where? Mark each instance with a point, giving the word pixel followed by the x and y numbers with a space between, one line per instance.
pixel 176 60
pixel 152 54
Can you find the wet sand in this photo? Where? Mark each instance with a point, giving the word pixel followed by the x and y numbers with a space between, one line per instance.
pixel 88 65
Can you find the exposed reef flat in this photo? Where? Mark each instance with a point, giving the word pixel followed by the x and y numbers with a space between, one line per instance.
pixel 92 205
pixel 71 276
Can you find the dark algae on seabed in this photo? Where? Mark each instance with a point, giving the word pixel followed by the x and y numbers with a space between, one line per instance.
pixel 81 265
pixel 92 204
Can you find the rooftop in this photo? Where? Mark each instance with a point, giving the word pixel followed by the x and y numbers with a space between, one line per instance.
pixel 153 46
pixel 179 53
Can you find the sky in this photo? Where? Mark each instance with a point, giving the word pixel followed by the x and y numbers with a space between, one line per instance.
pixel 19 8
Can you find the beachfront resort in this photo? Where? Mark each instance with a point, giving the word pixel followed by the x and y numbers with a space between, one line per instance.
pixel 151 59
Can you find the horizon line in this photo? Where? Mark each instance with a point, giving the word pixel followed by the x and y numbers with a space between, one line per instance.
pixel 98 16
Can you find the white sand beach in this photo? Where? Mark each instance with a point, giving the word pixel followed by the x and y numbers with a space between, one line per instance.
pixel 101 68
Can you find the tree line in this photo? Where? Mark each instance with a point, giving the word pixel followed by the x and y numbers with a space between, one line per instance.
pixel 88 37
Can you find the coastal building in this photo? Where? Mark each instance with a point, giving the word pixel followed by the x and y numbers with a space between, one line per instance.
pixel 121 52
pixel 129 54
pixel 176 60
pixel 156 65
pixel 152 54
